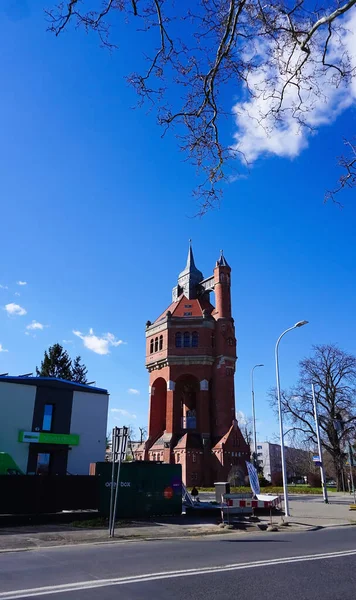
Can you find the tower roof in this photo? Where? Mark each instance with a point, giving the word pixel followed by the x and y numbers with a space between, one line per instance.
pixel 188 279
pixel 221 262
pixel 190 268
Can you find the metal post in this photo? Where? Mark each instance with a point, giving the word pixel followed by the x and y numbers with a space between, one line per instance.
pixel 123 434
pixel 351 461
pixel 281 434
pixel 113 452
pixel 322 475
pixel 254 418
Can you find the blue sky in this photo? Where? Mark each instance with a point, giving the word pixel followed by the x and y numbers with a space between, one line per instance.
pixel 97 212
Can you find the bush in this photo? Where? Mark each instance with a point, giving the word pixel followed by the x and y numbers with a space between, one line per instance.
pixel 314 480
pixel 263 481
pixel 277 479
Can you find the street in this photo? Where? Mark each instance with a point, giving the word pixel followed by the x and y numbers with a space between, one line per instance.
pixel 307 565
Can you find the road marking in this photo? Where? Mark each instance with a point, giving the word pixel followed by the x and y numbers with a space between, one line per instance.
pixel 98 583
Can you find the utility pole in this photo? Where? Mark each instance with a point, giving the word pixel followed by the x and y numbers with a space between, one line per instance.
pixel 316 417
pixel 351 461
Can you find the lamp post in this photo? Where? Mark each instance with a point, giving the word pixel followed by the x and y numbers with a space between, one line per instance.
pixel 254 417
pixel 281 435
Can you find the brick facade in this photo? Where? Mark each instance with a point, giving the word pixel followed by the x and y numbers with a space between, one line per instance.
pixel 191 357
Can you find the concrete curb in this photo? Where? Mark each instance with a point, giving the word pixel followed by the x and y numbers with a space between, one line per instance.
pixel 194 535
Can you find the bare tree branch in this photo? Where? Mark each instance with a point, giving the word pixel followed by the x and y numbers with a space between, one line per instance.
pixel 281 54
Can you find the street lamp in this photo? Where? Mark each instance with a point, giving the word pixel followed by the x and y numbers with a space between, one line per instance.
pixel 254 416
pixel 281 435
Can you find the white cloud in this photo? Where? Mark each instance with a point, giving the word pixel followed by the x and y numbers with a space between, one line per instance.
pixel 124 413
pixel 35 325
pixel 17 294
pixel 15 309
pixel 133 391
pixel 99 345
pixel 21 282
pixel 67 341
pixel 2 349
pixel 260 135
pixel 4 287
pixel 241 417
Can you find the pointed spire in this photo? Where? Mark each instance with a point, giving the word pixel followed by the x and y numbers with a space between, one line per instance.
pixel 190 259
pixel 221 262
pixel 189 278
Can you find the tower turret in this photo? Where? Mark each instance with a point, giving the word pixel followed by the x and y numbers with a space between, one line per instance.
pixel 222 288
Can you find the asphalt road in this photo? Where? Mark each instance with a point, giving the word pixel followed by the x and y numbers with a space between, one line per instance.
pixel 299 566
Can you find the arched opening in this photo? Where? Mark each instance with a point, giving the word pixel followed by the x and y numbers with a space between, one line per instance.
pixel 160 342
pixel 187 389
pixel 195 339
pixel 151 346
pixel 186 339
pixel 157 423
pixel 178 339
pixel 156 344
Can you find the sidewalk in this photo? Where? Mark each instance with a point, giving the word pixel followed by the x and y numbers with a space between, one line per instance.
pixel 307 512
pixel 311 510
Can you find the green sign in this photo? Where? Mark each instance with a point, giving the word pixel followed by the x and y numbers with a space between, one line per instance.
pixel 36 437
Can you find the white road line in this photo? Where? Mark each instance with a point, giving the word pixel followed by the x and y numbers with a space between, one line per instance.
pixel 98 583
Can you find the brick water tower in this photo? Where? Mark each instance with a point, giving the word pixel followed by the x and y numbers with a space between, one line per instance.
pixel 191 358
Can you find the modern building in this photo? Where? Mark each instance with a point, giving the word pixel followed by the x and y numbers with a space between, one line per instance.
pixel 298 461
pixel 191 358
pixel 52 426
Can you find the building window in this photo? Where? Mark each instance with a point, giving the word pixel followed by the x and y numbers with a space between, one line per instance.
pixel 160 342
pixel 230 341
pixel 151 346
pixel 259 447
pixel 156 344
pixel 47 417
pixel 187 314
pixel 186 339
pixel 187 306
pixel 178 458
pixel 213 340
pixel 195 339
pixel 259 453
pixel 154 457
pixel 194 476
pixel 178 339
pixel 194 458
pixel 43 462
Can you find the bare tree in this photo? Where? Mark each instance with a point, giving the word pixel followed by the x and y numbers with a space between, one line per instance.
pixel 333 373
pixel 143 434
pixel 286 54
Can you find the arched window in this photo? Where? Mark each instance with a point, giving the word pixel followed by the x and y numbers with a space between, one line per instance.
pixel 195 339
pixel 154 457
pixel 160 342
pixel 178 458
pixel 178 339
pixel 156 344
pixel 151 346
pixel 186 339
pixel 213 340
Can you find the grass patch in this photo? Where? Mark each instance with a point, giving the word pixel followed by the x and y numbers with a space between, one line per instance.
pixel 98 523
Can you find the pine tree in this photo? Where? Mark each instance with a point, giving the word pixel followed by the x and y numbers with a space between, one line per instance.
pixel 57 363
pixel 79 371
